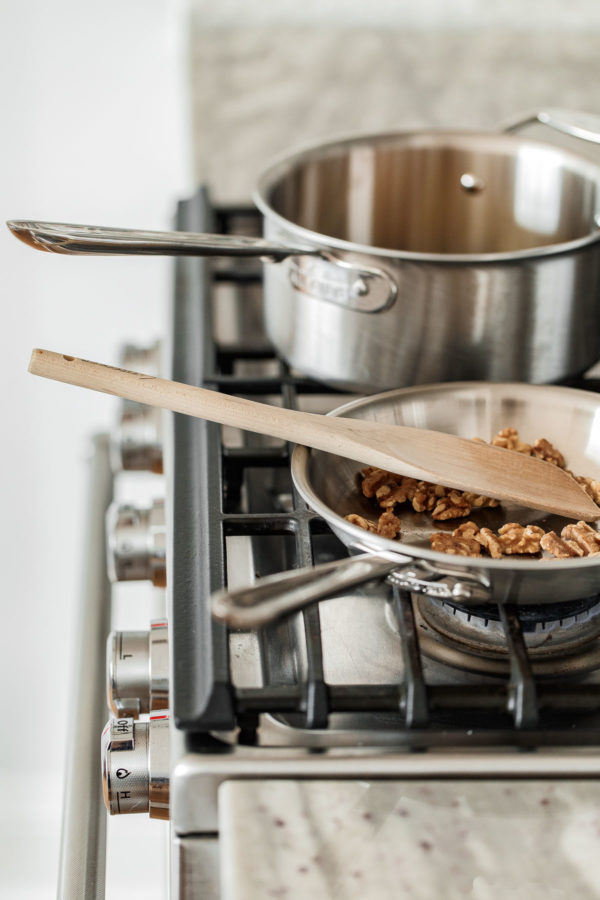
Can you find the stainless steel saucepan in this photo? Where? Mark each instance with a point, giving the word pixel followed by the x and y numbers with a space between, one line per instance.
pixel 569 418
pixel 415 257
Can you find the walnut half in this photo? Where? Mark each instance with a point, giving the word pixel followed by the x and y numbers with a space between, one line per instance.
pixel 468 539
pixel 559 548
pixel 576 539
pixel 462 541
pixel 388 525
pixel 510 440
pixel 355 519
pixel 454 506
pixel 519 539
pixel 543 449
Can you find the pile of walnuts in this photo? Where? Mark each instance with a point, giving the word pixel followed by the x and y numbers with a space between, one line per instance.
pixel 468 539
pixel 389 491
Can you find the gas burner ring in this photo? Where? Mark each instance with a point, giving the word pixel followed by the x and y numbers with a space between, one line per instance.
pixel 562 639
pixel 535 620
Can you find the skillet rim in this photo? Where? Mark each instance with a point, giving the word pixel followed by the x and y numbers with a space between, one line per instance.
pixel 299 465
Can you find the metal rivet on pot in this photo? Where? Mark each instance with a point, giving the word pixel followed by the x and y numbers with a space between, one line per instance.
pixel 472 183
pixel 360 288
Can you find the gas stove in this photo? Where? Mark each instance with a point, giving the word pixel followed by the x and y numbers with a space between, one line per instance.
pixel 377 685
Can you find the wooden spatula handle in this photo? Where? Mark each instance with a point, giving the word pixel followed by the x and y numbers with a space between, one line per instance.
pixel 431 456
pixel 182 398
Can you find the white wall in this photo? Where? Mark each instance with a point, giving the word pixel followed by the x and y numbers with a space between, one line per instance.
pixel 92 131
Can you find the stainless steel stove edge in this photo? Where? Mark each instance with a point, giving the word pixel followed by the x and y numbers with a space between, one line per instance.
pixel 195 868
pixel 196 777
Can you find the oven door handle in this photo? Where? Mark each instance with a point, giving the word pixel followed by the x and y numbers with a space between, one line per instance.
pixel 83 843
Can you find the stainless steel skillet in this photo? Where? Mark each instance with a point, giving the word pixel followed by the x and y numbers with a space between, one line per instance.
pixel 569 418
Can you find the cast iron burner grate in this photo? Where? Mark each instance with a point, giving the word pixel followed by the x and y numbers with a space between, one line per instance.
pixel 208 480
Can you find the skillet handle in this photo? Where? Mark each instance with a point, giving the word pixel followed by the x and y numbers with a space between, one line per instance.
pixel 287 592
pixel 582 125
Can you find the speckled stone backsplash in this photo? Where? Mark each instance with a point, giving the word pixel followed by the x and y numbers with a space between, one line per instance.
pixel 258 92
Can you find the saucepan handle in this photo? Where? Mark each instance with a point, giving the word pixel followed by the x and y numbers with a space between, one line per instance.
pixel 582 125
pixel 287 592
pixel 312 270
pixel 61 237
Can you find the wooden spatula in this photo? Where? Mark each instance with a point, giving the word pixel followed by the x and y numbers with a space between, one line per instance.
pixel 426 455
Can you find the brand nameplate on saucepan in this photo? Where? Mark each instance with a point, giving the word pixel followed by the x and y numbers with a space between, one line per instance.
pixel 357 288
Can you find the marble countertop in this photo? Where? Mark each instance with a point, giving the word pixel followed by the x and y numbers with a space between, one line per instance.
pixel 523 840
pixel 257 92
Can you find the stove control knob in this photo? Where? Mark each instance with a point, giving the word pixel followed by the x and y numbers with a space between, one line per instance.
pixel 136 543
pixel 138 671
pixel 138 445
pixel 141 359
pixel 135 766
